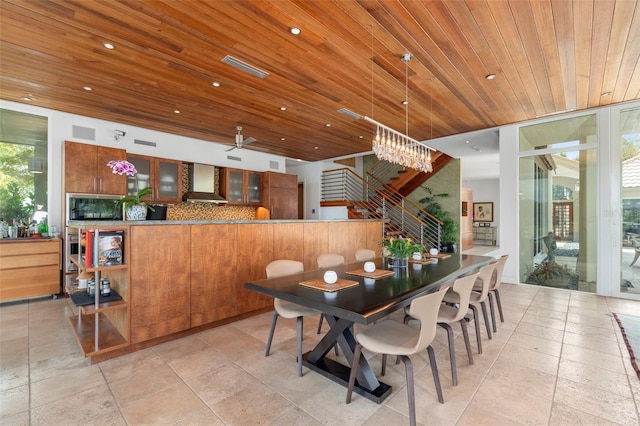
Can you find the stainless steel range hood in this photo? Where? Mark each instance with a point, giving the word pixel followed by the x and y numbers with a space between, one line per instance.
pixel 202 185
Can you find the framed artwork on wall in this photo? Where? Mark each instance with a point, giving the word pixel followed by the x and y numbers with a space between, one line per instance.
pixel 483 212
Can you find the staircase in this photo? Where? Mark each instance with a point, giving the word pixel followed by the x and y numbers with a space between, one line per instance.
pixel 406 180
pixel 374 199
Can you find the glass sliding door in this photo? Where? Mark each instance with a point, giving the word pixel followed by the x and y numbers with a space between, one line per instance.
pixel 630 201
pixel 557 187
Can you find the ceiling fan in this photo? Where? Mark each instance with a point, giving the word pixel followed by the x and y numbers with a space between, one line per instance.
pixel 240 141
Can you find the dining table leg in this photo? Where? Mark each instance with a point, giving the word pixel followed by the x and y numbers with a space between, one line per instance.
pixel 341 331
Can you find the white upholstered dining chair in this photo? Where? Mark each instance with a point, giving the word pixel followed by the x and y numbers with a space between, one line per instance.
pixel 390 337
pixel 280 268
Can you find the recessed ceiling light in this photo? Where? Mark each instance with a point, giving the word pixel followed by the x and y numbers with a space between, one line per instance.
pixel 215 84
pixel 328 125
pixel 466 141
pixel 283 139
pixel 295 30
pixel 87 88
pixel 283 108
pixel 27 98
pixel 405 102
pixel 606 94
pixel 360 137
pixel 108 45
pixel 315 147
pixel 476 148
pixel 177 111
pixel 490 76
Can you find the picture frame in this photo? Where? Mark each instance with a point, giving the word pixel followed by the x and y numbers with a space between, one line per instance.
pixel 483 212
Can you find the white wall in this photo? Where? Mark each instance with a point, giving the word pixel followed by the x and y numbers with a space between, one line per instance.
pixel 487 191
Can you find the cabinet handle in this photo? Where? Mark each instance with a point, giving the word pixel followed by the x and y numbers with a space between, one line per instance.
pixel 95 186
pixel 100 180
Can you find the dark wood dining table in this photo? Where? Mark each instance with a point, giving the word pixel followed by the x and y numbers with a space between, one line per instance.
pixel 365 303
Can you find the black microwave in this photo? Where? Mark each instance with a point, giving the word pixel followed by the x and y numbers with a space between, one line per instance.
pixel 93 207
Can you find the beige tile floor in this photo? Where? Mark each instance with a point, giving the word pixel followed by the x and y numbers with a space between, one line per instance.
pixel 558 359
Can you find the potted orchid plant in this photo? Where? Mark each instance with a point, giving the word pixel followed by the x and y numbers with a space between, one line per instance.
pixel 134 205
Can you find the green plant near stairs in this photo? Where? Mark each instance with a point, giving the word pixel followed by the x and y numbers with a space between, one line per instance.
pixel 431 205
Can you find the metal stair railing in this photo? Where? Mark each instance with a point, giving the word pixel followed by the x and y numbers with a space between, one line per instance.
pixel 385 171
pixel 373 199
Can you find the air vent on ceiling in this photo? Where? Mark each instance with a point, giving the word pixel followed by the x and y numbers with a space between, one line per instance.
pixel 349 113
pixel 275 165
pixel 139 142
pixel 232 158
pixel 83 132
pixel 243 66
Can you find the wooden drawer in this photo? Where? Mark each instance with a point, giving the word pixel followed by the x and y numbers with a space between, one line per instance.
pixel 27 282
pixel 29 247
pixel 26 261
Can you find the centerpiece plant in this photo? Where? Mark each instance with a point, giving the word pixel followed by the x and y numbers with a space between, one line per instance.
pixel 398 250
pixel 135 206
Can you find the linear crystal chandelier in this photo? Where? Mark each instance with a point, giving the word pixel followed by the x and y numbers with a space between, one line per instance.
pixel 399 148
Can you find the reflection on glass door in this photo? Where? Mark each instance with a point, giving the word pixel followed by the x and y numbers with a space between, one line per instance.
pixel 557 186
pixel 630 158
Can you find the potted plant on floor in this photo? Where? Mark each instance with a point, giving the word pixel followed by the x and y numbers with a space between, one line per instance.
pixel 449 234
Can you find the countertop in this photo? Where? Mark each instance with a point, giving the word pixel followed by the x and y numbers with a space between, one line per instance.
pixel 99 223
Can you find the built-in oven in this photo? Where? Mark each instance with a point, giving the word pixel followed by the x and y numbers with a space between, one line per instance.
pixel 86 207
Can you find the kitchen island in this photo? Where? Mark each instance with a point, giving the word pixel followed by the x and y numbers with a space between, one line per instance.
pixel 185 276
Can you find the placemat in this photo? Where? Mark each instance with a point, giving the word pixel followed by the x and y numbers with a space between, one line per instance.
pixel 82 299
pixel 439 255
pixel 423 261
pixel 319 284
pixel 378 273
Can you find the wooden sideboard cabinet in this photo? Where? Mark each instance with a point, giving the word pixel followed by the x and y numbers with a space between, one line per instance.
pixel 86 171
pixel 29 268
pixel 485 235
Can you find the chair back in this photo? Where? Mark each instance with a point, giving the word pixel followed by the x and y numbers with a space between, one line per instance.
pixel 425 309
pixel 330 260
pixel 463 287
pixel 496 278
pixel 484 274
pixel 364 255
pixel 284 267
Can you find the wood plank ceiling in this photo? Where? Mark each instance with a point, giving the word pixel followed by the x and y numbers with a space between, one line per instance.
pixel 548 57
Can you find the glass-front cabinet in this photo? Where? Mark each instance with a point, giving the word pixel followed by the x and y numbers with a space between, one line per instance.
pixel 162 175
pixel 241 186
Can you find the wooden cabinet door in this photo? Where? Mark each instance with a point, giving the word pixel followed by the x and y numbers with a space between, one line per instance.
pixel 160 281
pixel 145 176
pixel 213 273
pixel 283 203
pixel 86 171
pixel 232 185
pixel 255 251
pixel 79 168
pixel 168 181
pixel 109 182
pixel 253 187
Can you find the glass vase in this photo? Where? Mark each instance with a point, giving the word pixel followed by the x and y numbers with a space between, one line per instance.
pixel 398 262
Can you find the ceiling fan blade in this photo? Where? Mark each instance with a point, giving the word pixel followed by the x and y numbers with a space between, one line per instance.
pixel 258 148
pixel 233 147
pixel 247 141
